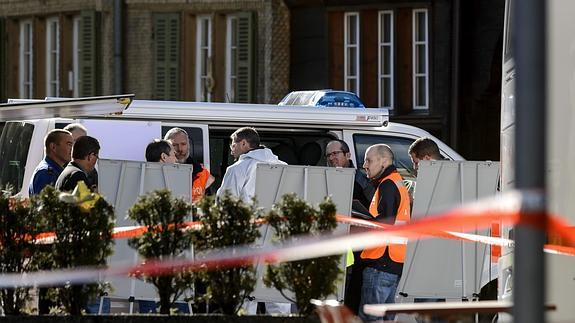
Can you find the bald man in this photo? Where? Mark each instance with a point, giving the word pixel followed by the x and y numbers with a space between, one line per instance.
pixel 390 205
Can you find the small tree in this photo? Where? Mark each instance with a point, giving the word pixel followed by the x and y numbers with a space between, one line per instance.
pixel 19 226
pixel 227 222
pixel 311 278
pixel 83 224
pixel 164 217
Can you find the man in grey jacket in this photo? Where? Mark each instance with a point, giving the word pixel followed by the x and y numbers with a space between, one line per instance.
pixel 240 178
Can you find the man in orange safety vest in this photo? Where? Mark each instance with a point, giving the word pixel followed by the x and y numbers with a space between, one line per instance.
pixel 390 205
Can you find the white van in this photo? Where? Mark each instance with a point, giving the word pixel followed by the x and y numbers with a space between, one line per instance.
pixel 298 135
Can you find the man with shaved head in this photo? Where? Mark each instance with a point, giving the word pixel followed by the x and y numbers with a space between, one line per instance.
pixel 390 205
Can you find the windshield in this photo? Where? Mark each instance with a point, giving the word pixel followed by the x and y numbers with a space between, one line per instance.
pixel 14 145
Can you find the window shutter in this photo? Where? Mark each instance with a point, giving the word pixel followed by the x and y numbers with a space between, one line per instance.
pixel 89 62
pixel 245 58
pixel 166 56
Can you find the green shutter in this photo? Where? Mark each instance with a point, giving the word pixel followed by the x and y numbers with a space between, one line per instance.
pixel 89 56
pixel 245 58
pixel 166 56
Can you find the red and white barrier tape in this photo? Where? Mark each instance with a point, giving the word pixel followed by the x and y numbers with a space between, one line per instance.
pixel 479 215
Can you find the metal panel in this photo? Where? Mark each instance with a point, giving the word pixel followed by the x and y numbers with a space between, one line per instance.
pixel 310 183
pixel 72 108
pixel 121 183
pixel 437 268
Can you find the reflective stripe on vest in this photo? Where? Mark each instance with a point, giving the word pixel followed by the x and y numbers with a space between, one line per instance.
pixel 396 251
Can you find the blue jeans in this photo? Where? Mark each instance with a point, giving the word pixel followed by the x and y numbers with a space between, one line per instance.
pixel 378 288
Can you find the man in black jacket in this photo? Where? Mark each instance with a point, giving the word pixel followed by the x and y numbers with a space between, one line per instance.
pixel 390 204
pixel 84 157
pixel 337 154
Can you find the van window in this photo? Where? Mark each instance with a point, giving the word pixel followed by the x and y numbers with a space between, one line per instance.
pixel 14 145
pixel 305 147
pixel 399 146
pixel 196 141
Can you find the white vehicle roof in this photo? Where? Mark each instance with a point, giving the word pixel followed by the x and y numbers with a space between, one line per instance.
pixel 256 113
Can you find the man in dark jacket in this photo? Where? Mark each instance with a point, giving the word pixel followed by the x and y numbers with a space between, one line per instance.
pixel 84 157
pixel 201 177
pixel 337 155
pixel 390 205
pixel 57 147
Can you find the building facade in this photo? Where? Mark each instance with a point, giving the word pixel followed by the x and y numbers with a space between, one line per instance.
pixel 234 51
pixel 435 64
pixel 432 63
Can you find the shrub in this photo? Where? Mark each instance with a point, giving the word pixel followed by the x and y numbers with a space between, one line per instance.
pixel 227 222
pixel 311 278
pixel 83 224
pixel 164 217
pixel 19 253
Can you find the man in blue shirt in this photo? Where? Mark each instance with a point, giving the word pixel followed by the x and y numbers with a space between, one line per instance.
pixel 57 149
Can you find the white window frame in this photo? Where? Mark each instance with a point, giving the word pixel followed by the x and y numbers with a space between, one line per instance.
pixel 26 58
pixel 231 51
pixel 199 48
pixel 76 52
pixel 382 44
pixel 347 46
pixel 52 80
pixel 425 74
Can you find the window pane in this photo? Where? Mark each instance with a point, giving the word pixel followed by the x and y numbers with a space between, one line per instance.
pixel 420 21
pixel 233 53
pixel 420 59
pixel 205 32
pixel 386 28
pixel 54 66
pixel 420 91
pixel 399 146
pixel 351 59
pixel 386 92
pixel 386 60
pixel 232 93
pixel 15 142
pixel 204 61
pixel 234 34
pixel 352 85
pixel 54 35
pixel 352 29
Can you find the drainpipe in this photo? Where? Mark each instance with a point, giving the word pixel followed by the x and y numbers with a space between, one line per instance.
pixel 455 52
pixel 118 50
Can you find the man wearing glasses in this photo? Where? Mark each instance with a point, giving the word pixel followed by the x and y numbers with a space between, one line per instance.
pixel 337 155
pixel 84 157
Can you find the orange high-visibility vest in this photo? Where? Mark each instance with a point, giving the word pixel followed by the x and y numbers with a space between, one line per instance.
pixel 396 251
pixel 199 185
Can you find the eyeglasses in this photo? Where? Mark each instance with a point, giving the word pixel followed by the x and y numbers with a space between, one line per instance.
pixel 333 153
